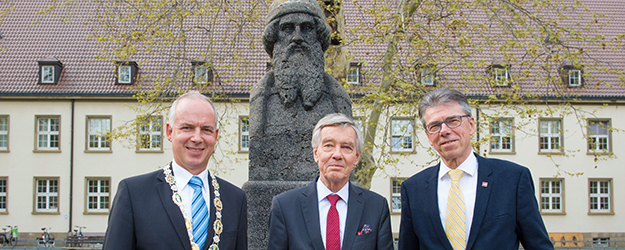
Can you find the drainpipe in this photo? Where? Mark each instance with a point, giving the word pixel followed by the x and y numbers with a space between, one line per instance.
pixel 477 128
pixel 71 171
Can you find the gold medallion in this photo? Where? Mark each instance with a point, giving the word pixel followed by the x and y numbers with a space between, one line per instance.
pixel 213 247
pixel 177 198
pixel 218 227
pixel 218 204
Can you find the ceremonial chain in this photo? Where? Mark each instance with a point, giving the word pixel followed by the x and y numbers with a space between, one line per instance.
pixel 177 198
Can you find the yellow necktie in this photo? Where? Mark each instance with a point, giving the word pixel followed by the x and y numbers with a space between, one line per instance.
pixel 455 227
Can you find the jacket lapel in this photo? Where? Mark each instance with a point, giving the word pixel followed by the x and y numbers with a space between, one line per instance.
pixel 310 211
pixel 355 208
pixel 173 212
pixel 481 198
pixel 431 203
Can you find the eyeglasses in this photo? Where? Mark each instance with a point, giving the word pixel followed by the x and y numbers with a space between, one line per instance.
pixel 451 122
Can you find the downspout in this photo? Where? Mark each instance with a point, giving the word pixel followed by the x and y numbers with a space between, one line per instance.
pixel 71 170
pixel 477 128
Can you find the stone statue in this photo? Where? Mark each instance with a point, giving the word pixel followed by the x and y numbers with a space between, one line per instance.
pixel 285 105
pixel 288 101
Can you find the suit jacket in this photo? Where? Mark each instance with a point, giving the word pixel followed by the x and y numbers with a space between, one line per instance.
pixel 294 220
pixel 143 216
pixel 506 210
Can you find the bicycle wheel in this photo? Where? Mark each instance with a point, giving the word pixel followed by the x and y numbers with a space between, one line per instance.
pixel 51 241
pixel 13 241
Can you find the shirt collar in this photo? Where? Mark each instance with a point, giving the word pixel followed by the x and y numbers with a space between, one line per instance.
pixel 183 176
pixel 323 191
pixel 469 166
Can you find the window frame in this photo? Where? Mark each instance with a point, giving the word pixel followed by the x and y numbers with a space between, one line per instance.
pixel 48 133
pixel 6 132
pixel 566 73
pixel 56 194
pixel 50 73
pixel 98 195
pixel 608 137
pixel 501 135
pixel 132 68
pixel 4 194
pixel 140 132
pixel 402 136
pixel 242 120
pixel 123 72
pixel 551 195
pixel 425 70
pixel 395 195
pixel 550 135
pixel 494 72
pixel 354 78
pixel 610 197
pixel 88 134
pixel 208 75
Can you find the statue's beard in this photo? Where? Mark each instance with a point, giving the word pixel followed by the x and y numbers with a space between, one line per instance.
pixel 299 71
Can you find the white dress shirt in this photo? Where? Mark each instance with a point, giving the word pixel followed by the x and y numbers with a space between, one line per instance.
pixel 468 185
pixel 324 207
pixel 183 177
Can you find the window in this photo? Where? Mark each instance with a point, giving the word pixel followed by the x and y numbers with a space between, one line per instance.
pixel 126 72
pixel 550 136
pixel 3 194
pixel 353 73
pixel 244 132
pixel 47 74
pixel 396 194
pixel 47 196
pixel 202 73
pixel 599 136
pixel 501 136
pixel 572 76
pixel 4 132
pixel 97 127
pixel 150 134
pixel 600 196
pixel 426 74
pixel 48 133
pixel 98 193
pixel 499 74
pixel 49 70
pixel 551 198
pixel 402 131
pixel 601 242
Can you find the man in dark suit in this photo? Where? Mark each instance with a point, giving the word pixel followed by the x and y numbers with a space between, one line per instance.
pixel 331 213
pixel 466 201
pixel 182 206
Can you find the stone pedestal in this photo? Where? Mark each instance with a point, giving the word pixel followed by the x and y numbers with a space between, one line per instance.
pixel 258 208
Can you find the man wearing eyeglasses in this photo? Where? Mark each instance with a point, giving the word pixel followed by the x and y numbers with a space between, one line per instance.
pixel 466 201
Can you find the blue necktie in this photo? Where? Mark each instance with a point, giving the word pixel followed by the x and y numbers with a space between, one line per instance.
pixel 199 212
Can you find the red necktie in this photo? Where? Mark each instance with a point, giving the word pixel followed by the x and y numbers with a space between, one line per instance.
pixel 333 226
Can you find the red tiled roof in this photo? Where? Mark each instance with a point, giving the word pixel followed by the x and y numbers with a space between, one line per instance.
pixel 239 63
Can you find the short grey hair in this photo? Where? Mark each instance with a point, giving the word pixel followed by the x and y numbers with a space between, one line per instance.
pixel 441 97
pixel 338 120
pixel 190 94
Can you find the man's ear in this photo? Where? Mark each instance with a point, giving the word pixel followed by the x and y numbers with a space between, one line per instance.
pixel 168 131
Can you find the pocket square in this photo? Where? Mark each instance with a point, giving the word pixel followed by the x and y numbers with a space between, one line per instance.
pixel 365 229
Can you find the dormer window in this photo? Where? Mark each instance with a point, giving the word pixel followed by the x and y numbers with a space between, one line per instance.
pixel 353 73
pixel 202 73
pixel 126 72
pixel 499 74
pixel 572 76
pixel 426 74
pixel 49 70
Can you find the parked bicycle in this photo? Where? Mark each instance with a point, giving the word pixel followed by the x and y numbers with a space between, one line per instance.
pixel 47 239
pixel 9 238
pixel 77 237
